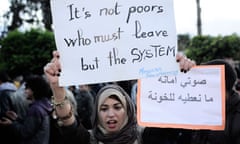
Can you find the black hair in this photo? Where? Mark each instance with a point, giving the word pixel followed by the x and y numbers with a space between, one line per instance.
pixel 39 86
pixel 230 73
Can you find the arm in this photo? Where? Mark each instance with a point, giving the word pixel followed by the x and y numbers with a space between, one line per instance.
pixel 62 106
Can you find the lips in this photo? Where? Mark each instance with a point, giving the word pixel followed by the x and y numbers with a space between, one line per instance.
pixel 112 124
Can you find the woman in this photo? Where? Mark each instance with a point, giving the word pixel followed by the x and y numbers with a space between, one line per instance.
pixel 121 127
pixel 114 117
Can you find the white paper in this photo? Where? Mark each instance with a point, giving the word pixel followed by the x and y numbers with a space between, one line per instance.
pixel 194 98
pixel 101 41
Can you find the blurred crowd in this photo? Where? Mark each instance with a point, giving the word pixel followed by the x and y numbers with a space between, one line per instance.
pixel 27 115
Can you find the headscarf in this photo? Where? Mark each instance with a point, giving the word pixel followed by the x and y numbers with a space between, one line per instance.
pixel 128 134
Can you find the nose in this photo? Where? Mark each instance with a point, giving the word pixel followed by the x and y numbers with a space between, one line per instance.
pixel 110 113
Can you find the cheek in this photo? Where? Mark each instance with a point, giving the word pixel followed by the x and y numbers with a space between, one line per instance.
pixel 122 115
pixel 101 117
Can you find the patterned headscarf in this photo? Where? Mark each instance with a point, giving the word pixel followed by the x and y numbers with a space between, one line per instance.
pixel 128 134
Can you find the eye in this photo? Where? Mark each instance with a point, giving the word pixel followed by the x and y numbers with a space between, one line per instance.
pixel 103 108
pixel 118 107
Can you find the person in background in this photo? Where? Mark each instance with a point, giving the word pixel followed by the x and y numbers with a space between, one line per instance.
pixel 35 127
pixel 85 100
pixel 73 89
pixel 7 102
pixel 134 92
pixel 231 133
pixel 126 85
pixel 237 87
pixel 114 113
pixel 7 90
pixel 22 103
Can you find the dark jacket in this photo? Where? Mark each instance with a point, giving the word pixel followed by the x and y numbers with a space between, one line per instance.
pixel 35 128
pixel 231 134
pixel 166 136
pixel 74 134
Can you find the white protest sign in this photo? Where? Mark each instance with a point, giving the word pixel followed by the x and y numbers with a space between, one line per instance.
pixel 195 100
pixel 102 40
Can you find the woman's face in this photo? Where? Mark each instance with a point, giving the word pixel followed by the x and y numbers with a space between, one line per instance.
pixel 112 115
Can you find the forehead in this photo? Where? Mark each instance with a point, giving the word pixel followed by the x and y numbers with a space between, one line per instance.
pixel 111 100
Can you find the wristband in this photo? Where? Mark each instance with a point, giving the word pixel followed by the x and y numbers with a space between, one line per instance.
pixel 60 104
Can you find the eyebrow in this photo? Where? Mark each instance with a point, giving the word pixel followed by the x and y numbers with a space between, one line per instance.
pixel 118 103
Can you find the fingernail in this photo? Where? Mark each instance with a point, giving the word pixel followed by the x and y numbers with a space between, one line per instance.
pixel 182 70
pixel 178 60
pixel 59 70
pixel 58 74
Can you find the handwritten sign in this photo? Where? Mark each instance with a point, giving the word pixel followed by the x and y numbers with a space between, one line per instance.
pixel 195 100
pixel 101 41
